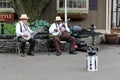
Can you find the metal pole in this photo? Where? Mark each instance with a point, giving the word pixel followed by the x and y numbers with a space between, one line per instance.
pixel 66 12
pixel 2 28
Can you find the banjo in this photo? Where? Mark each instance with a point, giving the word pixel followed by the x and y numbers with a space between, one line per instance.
pixel 30 35
pixel 58 33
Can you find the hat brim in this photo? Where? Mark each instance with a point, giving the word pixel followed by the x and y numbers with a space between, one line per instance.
pixel 24 18
pixel 57 20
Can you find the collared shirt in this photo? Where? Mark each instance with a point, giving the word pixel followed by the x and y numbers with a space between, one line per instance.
pixel 60 27
pixel 24 28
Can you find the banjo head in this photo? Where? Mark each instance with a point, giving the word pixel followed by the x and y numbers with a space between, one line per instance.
pixel 29 35
pixel 56 33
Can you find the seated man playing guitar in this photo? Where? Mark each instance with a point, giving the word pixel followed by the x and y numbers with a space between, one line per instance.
pixel 24 35
pixel 60 32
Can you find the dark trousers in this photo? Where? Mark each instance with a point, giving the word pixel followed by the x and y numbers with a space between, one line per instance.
pixel 23 43
pixel 64 37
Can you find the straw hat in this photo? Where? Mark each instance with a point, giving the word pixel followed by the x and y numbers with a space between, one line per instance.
pixel 58 18
pixel 24 16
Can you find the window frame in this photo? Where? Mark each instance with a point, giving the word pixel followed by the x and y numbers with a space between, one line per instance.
pixel 73 10
pixel 6 6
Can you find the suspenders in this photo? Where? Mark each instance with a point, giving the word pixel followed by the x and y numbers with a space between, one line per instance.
pixel 21 27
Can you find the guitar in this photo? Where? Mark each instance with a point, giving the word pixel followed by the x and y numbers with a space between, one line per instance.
pixel 30 35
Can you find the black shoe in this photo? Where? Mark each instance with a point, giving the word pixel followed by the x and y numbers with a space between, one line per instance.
pixel 58 53
pixel 72 52
pixel 30 54
pixel 22 54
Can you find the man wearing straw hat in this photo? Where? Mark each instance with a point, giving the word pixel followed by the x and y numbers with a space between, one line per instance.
pixel 60 32
pixel 23 32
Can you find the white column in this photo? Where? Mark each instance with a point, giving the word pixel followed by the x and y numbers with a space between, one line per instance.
pixel 108 16
pixel 110 10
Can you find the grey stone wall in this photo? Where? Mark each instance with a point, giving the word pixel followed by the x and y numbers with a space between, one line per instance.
pixel 9 45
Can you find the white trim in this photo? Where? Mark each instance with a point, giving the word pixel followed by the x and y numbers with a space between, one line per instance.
pixel 7 10
pixel 72 10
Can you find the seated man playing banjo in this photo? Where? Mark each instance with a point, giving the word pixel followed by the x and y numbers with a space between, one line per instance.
pixel 60 33
pixel 23 33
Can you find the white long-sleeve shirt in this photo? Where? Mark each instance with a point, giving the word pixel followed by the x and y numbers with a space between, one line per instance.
pixel 56 26
pixel 18 29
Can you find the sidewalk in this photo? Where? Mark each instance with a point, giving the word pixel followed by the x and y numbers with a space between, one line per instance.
pixel 65 67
